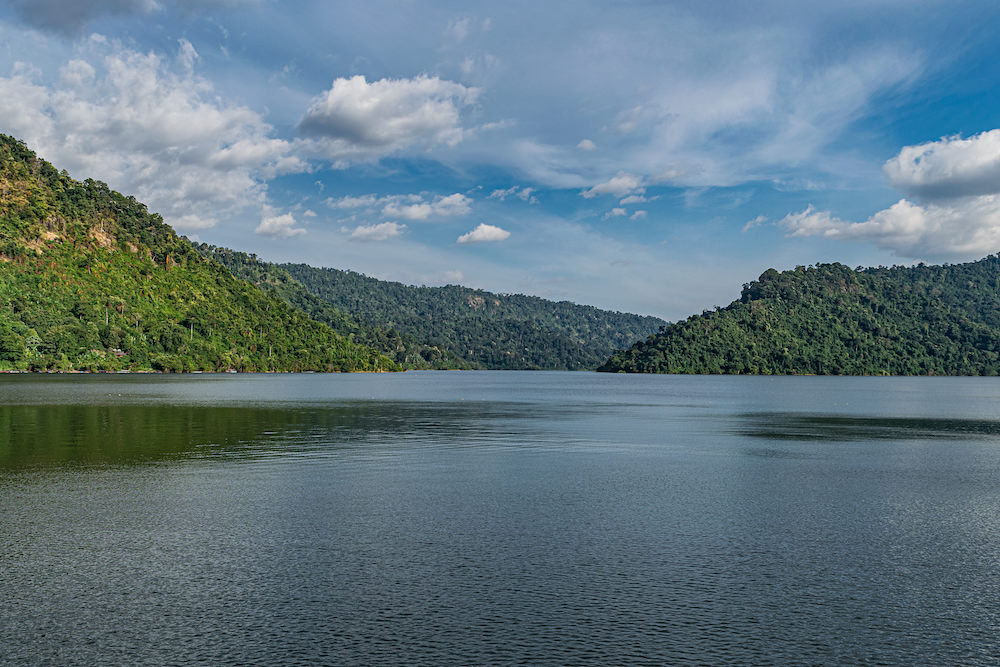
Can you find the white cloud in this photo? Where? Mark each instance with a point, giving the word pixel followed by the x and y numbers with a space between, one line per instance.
pixel 364 201
pixel 627 121
pixel 458 29
pixel 149 127
pixel 950 167
pixel 524 194
pixel 756 222
pixel 187 56
pixel 959 181
pixel 503 194
pixel 484 234
pixel 638 215
pixel 449 206
pixel 410 207
pixel 308 213
pixel 633 199
pixel 615 213
pixel 619 185
pixel 280 226
pixel 586 145
pixel 967 228
pixel 379 232
pixel 781 95
pixel 358 120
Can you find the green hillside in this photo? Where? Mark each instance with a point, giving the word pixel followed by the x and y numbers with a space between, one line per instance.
pixel 404 349
pixel 830 319
pixel 89 280
pixel 479 328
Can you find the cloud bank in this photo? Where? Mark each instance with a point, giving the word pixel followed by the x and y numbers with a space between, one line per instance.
pixel 956 212
pixel 148 126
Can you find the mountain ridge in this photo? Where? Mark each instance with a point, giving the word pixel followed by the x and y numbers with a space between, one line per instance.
pixel 445 327
pixel 489 330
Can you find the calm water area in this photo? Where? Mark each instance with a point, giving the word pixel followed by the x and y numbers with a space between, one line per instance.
pixel 442 518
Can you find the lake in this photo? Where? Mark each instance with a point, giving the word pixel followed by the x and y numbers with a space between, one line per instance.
pixel 498 518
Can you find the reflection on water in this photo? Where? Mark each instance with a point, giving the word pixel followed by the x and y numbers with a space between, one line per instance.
pixel 53 435
pixel 498 518
pixel 843 428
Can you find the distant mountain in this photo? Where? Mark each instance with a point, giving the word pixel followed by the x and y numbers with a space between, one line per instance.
pixel 830 319
pixel 90 280
pixel 466 327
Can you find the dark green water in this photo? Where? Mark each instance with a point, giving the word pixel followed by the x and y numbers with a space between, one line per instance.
pixel 499 518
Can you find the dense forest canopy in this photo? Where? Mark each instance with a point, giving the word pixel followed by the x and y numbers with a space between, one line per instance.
pixel 483 329
pixel 831 319
pixel 445 327
pixel 90 280
pixel 404 349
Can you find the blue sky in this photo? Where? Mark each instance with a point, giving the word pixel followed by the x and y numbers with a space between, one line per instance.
pixel 641 156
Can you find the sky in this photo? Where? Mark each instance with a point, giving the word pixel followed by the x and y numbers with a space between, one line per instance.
pixel 644 156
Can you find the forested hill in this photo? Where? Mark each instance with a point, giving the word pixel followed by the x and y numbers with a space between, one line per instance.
pixel 90 280
pixel 830 319
pixel 404 349
pixel 472 327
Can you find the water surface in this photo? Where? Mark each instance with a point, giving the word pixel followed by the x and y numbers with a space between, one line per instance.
pixel 499 518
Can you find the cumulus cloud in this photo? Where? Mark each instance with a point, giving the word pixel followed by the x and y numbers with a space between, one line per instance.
pixel 586 145
pixel 148 126
pixel 950 167
pixel 615 213
pixel 484 234
pixel 959 217
pixel 638 215
pixel 965 229
pixel 620 185
pixel 358 120
pixel 380 232
pixel 281 226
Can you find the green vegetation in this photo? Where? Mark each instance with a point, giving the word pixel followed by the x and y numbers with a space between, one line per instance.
pixel 830 319
pixel 89 280
pixel 404 349
pixel 466 326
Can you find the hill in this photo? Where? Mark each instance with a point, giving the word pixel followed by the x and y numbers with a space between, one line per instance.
pixel 478 328
pixel 404 349
pixel 90 280
pixel 831 319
